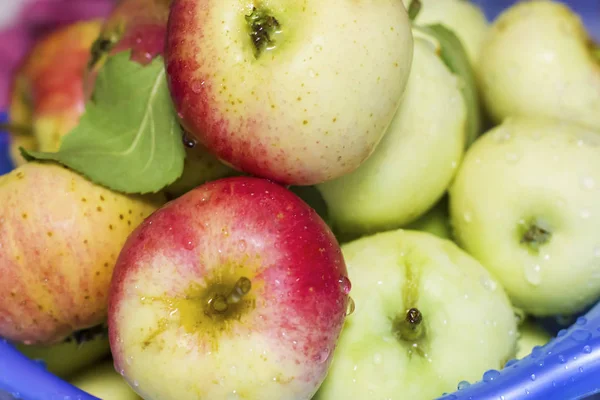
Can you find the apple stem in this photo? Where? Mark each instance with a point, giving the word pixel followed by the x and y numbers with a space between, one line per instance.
pixel 536 236
pixel 414 8
pixel 410 328
pixel 15 129
pixel 262 29
pixel 220 303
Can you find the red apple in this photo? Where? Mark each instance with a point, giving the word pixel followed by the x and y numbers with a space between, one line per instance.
pixel 235 290
pixel 47 97
pixel 299 92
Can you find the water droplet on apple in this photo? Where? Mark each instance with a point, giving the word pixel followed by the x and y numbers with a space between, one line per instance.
pixel 122 372
pixel 463 385
pixel 490 375
pixel 587 183
pixel 129 360
pixel 318 48
pixel 488 283
pixel 242 245
pixel 233 396
pixel 467 217
pixel 136 384
pixel 533 274
pixel 350 306
pixel 581 335
pixel 311 73
pixel 597 251
pixel 585 214
pixel 377 358
pixel 502 135
pixel 322 356
pixel 188 245
pixel 197 86
pixel 511 157
pixel 345 284
pixel 453 165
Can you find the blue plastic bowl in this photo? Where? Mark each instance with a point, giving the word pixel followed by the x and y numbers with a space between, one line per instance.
pixel 567 368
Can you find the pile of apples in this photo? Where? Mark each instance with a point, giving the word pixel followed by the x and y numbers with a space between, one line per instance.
pixel 377 201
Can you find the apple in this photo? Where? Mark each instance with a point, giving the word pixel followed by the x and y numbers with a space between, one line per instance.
pixel 539 61
pixel 103 382
pixel 464 18
pixel 297 92
pixel 235 290
pixel 436 221
pixel 77 351
pixel 416 160
pixel 427 316
pixel 47 97
pixel 531 335
pixel 60 235
pixel 526 204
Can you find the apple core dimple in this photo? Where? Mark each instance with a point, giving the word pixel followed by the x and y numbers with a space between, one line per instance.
pixel 219 303
pixel 263 28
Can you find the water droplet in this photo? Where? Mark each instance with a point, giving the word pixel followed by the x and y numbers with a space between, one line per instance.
pixel 581 321
pixel 510 363
pixel 197 86
pixel 322 356
pixel 188 141
pixel 463 385
pixel 345 284
pixel 136 384
pixel 488 283
pixel 350 306
pixel 122 372
pixel 377 358
pixel 541 363
pixel 490 375
pixel 511 157
pixel 502 135
pixel 581 335
pixel 467 217
pixel 533 274
pixel 129 360
pixel 587 183
pixel 188 245
pixel 561 359
pixel 318 48
pixel 597 251
pixel 585 214
pixel 580 369
pixel 587 349
pixel 532 377
pixel 311 73
pixel 453 165
pixel 561 333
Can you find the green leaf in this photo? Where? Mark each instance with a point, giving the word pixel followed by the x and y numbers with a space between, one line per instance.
pixel 455 57
pixel 128 138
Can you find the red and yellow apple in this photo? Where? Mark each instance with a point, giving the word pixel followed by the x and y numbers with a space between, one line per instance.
pixel 60 236
pixel 297 92
pixel 47 96
pixel 235 290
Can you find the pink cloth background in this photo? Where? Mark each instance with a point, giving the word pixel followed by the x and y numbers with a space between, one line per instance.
pixel 35 19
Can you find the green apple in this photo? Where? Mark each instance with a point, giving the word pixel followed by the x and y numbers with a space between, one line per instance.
pixel 526 204
pixel 539 61
pixel 427 316
pixel 464 18
pixel 416 160
pixel 531 335
pixel 76 352
pixel 298 92
pixel 105 383
pixel 436 221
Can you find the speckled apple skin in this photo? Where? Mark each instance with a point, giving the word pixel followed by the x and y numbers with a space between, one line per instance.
pixel 60 236
pixel 309 110
pixel 242 226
